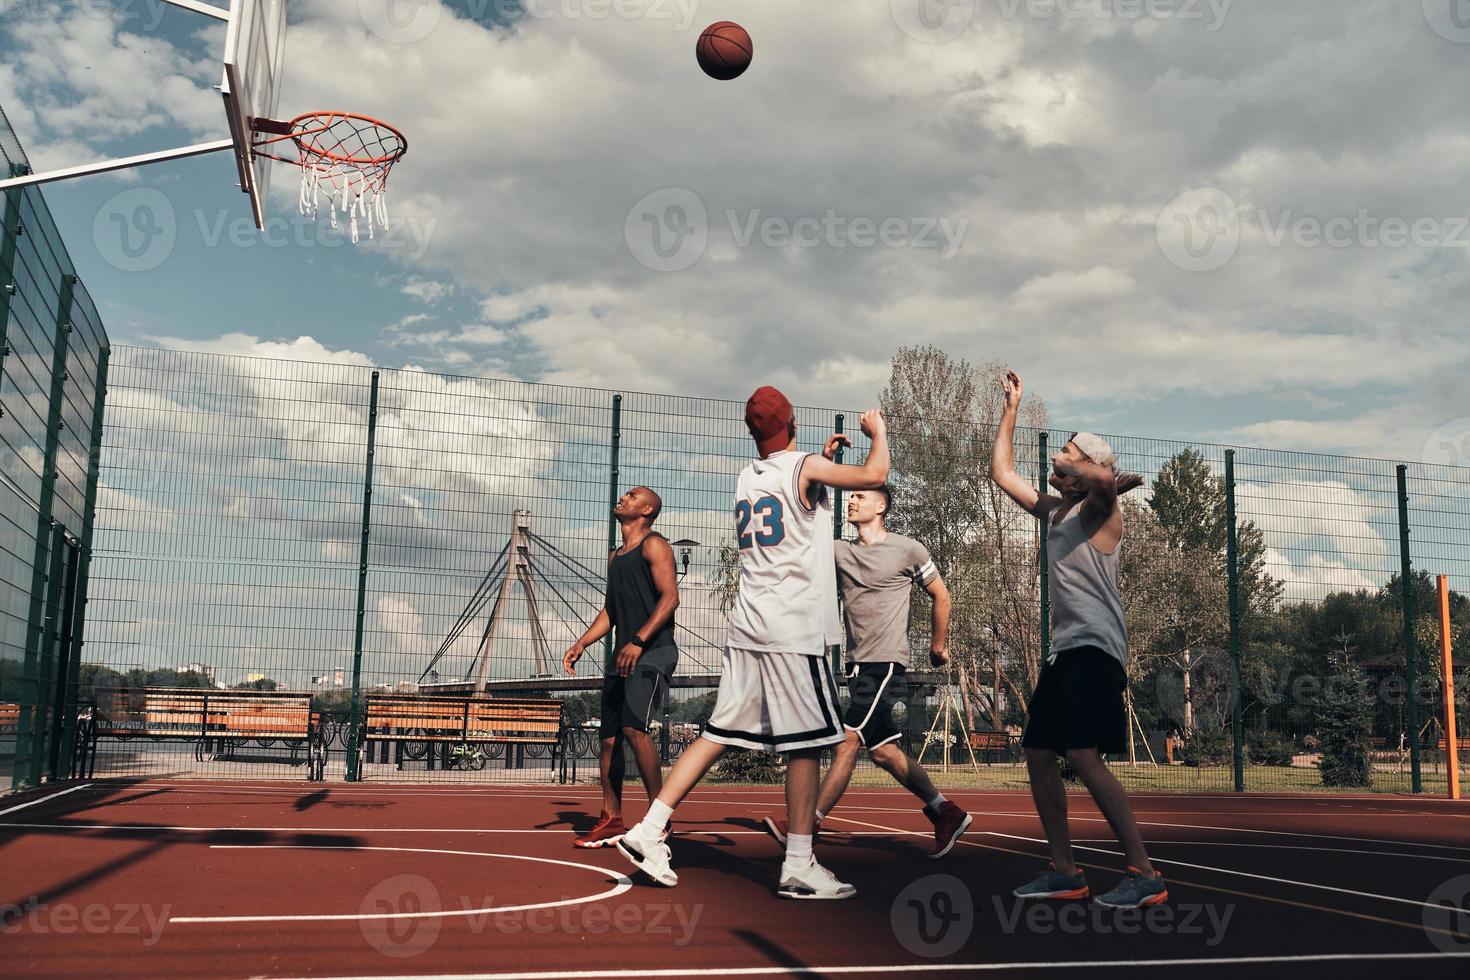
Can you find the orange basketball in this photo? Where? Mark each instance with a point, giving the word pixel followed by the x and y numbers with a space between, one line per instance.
pixel 724 50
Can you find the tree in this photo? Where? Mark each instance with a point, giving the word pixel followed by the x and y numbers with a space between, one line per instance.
pixel 1344 719
pixel 942 413
pixel 1184 574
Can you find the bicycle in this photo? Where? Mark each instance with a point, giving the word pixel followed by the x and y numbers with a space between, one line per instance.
pixel 467 758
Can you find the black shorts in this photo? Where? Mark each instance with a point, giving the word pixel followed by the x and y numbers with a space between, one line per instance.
pixel 874 689
pixel 630 702
pixel 1078 704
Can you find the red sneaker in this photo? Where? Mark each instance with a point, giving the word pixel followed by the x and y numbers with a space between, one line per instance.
pixel 777 828
pixel 949 823
pixel 607 832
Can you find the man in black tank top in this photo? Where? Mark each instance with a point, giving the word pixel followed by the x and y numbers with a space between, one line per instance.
pixel 642 594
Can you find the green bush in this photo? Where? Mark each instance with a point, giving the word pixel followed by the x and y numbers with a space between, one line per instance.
pixel 1268 749
pixel 1207 747
pixel 744 766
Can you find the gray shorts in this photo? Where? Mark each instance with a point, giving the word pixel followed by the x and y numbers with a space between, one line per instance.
pixel 630 702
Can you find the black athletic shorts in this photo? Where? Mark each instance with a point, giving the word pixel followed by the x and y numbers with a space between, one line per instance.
pixel 630 702
pixel 874 688
pixel 1078 704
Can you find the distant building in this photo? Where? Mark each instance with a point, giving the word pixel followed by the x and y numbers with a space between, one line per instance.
pixel 202 669
pixel 339 677
pixel 406 687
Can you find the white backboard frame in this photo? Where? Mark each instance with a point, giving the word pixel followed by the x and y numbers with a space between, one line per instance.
pixel 254 47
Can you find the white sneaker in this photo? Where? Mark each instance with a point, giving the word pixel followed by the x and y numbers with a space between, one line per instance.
pixel 812 882
pixel 648 854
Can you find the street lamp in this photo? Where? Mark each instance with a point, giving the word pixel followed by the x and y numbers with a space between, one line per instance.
pixel 685 546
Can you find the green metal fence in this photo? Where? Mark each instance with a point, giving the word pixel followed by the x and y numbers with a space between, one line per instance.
pixel 53 368
pixel 339 530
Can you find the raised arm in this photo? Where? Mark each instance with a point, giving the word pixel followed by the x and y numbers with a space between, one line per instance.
pixel 869 476
pixel 1003 459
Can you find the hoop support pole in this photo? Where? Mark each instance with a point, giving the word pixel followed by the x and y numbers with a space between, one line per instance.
pixel 122 163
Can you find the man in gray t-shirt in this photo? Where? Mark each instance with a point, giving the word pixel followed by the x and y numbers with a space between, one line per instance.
pixel 877 574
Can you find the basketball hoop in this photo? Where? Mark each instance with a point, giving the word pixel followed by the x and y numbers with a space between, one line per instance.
pixel 344 156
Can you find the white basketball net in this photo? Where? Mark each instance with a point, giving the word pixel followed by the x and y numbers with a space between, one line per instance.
pixel 362 200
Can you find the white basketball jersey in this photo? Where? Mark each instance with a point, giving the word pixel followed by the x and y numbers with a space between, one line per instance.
pixel 788 579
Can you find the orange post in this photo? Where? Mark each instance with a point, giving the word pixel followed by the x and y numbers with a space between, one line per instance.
pixel 1451 741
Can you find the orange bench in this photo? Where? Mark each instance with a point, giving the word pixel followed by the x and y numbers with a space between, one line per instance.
pixel 426 726
pixel 9 717
pixel 991 742
pixel 216 721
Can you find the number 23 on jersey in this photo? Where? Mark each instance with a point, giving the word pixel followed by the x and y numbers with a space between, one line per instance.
pixel 761 523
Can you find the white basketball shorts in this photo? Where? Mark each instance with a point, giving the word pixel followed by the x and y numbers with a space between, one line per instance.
pixel 776 702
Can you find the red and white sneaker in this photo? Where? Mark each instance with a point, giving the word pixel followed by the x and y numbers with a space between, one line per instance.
pixel 605 833
pixel 949 823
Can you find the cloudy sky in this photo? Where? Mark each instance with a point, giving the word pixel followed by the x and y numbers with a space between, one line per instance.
pixel 1228 221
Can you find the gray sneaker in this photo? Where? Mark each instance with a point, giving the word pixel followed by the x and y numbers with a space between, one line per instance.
pixel 1136 891
pixel 1053 884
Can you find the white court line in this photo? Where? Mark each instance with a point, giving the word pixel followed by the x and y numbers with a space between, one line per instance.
pixel 809 971
pixel 1240 874
pixel 1253 830
pixel 621 883
pixel 43 799
pixel 298 829
pixel 1285 847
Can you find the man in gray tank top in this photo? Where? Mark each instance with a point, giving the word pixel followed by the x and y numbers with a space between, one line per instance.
pixel 1077 708
pixel 642 594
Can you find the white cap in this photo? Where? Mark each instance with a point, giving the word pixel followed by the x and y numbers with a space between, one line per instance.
pixel 1096 448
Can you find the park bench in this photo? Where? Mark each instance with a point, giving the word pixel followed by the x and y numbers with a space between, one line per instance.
pixel 9 717
pixel 1462 745
pixel 217 722
pixel 433 727
pixel 990 744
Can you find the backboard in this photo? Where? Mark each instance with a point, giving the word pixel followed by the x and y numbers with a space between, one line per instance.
pixel 254 45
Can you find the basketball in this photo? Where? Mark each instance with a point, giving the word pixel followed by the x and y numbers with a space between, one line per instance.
pixel 724 50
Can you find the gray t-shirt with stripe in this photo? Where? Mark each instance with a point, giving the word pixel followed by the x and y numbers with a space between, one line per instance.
pixel 877 581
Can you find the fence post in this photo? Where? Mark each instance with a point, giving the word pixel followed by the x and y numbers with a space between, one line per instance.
pixel 1232 560
pixel 89 516
pixel 8 245
pixel 612 501
pixel 354 729
pixel 1406 591
pixel 31 728
pixel 1043 471
pixel 837 536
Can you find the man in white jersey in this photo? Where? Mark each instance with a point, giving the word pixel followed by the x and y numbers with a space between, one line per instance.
pixel 1077 708
pixel 776 690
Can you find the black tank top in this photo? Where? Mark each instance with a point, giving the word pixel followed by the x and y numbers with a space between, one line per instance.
pixel 631 598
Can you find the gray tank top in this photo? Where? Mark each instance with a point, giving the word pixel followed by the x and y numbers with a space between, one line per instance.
pixel 1086 610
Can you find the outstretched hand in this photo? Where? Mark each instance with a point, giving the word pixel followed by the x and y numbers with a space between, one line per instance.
pixel 1010 384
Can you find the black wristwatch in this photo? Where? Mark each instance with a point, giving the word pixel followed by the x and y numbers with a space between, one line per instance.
pixel 639 642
